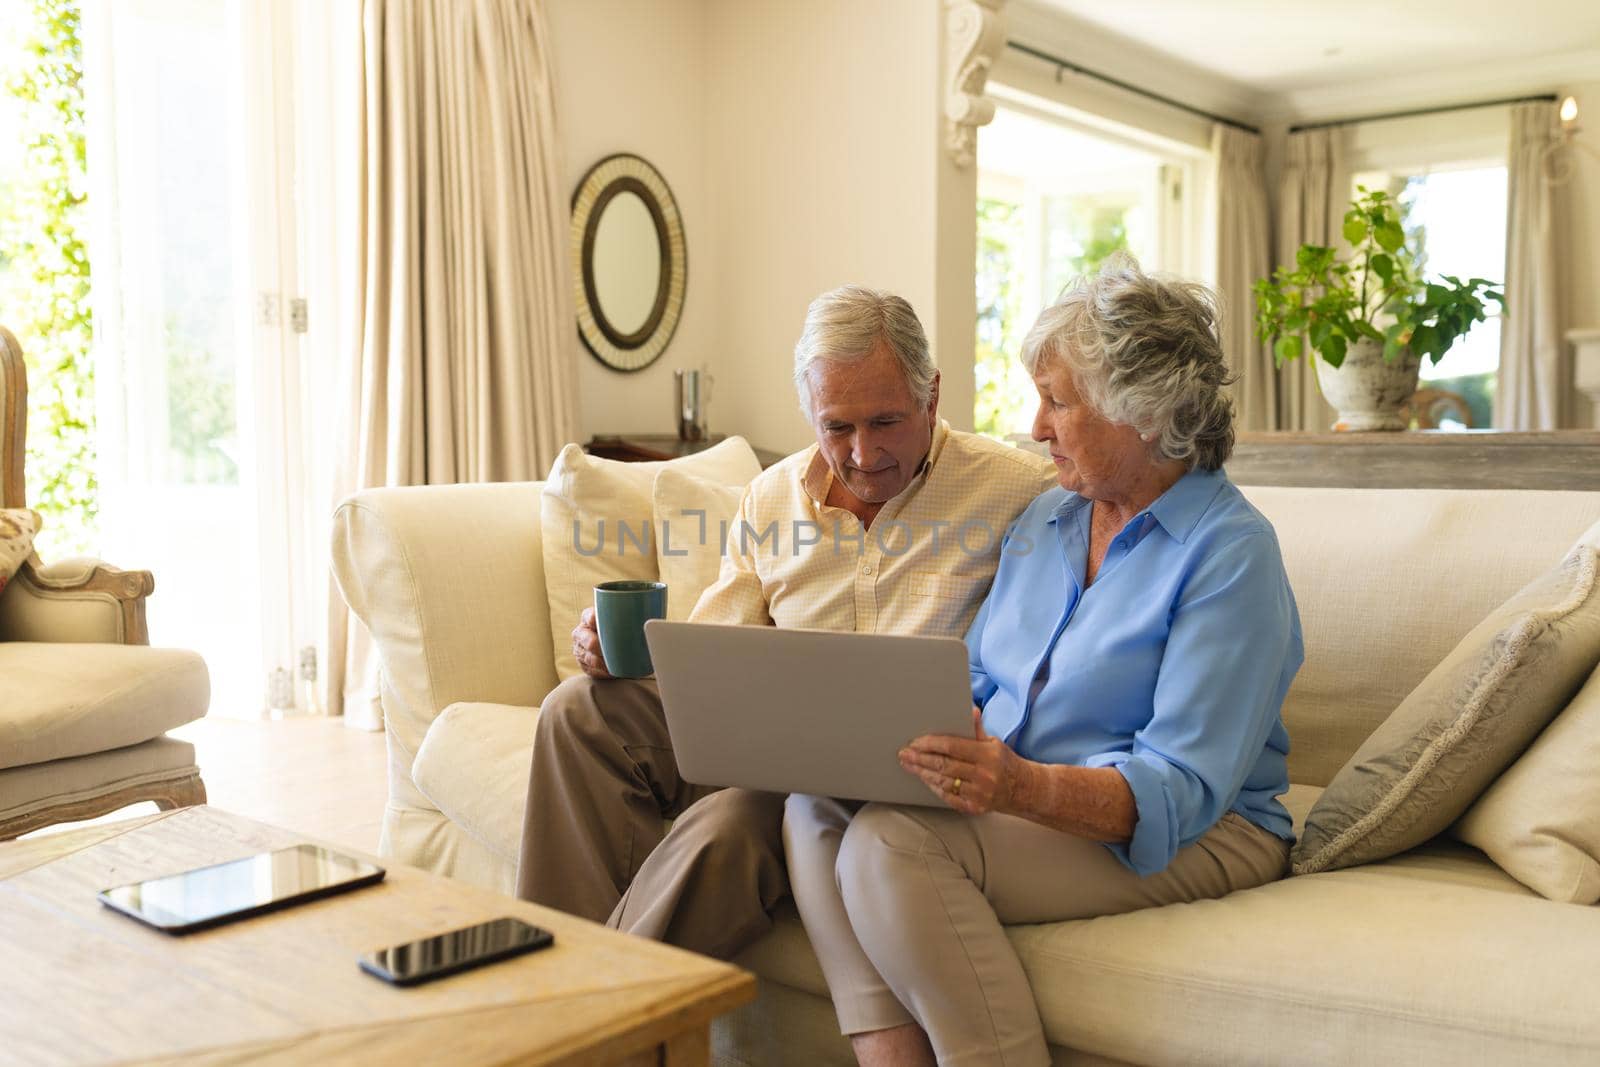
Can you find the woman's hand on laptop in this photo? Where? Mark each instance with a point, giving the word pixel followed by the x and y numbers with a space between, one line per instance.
pixel 973 775
pixel 586 646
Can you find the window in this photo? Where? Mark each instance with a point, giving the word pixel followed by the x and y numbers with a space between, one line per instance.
pixel 1054 201
pixel 1457 216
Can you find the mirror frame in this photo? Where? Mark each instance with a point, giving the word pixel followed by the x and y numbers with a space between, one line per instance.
pixel 612 176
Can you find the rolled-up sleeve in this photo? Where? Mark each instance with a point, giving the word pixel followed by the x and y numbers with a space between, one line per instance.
pixel 1233 647
pixel 983 686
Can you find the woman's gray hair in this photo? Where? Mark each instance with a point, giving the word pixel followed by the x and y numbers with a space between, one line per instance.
pixel 845 324
pixel 1143 351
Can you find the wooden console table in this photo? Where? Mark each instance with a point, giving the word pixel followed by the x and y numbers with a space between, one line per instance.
pixel 647 447
pixel 1420 459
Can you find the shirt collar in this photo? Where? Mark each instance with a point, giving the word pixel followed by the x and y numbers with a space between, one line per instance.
pixel 1178 510
pixel 818 477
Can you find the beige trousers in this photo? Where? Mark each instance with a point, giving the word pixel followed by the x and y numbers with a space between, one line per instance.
pixel 594 842
pixel 905 908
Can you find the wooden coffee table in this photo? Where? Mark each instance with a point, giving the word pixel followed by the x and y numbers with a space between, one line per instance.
pixel 82 984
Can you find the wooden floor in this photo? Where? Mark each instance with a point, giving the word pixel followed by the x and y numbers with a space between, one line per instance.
pixel 314 775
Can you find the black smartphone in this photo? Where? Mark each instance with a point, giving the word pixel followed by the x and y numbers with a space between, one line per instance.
pixel 202 898
pixel 455 950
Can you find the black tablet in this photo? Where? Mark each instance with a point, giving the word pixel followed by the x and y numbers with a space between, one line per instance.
pixel 208 896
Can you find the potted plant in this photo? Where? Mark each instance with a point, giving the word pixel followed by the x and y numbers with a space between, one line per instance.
pixel 1371 318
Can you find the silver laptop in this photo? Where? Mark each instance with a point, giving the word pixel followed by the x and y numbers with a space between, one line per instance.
pixel 807 711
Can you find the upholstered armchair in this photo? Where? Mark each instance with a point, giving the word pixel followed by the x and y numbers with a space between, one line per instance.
pixel 85 703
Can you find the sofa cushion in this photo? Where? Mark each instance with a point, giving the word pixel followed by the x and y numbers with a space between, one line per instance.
pixel 1468 720
pixel 1540 821
pixel 1436 956
pixel 692 515
pixel 70 700
pixel 473 765
pixel 596 517
pixel 18 527
pixel 1429 563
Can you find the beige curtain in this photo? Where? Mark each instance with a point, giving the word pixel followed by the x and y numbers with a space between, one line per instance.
pixel 1244 249
pixel 464 368
pixel 1529 394
pixel 1311 206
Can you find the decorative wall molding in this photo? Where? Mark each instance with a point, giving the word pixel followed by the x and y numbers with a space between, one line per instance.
pixel 975 32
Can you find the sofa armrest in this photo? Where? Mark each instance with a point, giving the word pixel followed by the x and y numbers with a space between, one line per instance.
pixel 449 580
pixel 76 600
pixel 474 766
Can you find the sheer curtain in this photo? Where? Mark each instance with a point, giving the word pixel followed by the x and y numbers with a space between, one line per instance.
pixel 174 333
pixel 1311 203
pixel 462 369
pixel 1528 393
pixel 1244 255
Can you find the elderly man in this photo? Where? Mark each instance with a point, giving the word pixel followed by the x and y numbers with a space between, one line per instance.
pixel 906 517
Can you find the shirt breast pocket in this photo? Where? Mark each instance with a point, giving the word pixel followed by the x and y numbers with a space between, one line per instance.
pixel 948 586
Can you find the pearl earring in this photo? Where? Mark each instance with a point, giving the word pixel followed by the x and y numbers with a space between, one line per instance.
pixel 1144 437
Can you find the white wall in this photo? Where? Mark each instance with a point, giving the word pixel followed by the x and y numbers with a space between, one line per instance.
pixel 802 141
pixel 823 144
pixel 630 77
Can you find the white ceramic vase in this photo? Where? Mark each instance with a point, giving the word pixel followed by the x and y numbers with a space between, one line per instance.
pixel 1366 390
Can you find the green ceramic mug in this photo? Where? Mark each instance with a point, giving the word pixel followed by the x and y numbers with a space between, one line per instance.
pixel 620 611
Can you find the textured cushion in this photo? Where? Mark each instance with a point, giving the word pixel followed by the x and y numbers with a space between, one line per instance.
pixel 24 790
pixel 18 527
pixel 474 765
pixel 1541 820
pixel 70 700
pixel 596 517
pixel 1468 720
pixel 1388 581
pixel 691 517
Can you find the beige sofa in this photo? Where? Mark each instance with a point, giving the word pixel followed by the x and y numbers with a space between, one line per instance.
pixel 1435 956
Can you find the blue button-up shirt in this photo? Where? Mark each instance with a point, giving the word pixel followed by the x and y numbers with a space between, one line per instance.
pixel 1172 667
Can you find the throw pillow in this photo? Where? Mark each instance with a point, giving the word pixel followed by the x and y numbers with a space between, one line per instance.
pixel 595 516
pixel 1466 722
pixel 1541 820
pixel 18 528
pixel 692 515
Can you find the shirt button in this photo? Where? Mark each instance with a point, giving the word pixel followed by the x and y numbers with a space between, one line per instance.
pixel 866 568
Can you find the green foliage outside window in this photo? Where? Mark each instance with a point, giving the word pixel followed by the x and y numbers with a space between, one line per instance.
pixel 1080 235
pixel 201 427
pixel 999 305
pixel 44 270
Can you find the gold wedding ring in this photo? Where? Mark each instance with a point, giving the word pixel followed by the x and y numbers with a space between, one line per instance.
pixel 955 789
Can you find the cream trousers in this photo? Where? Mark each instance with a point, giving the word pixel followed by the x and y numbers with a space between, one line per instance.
pixel 905 907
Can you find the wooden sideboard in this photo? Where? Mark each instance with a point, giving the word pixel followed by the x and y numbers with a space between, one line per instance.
pixel 1420 459
pixel 645 447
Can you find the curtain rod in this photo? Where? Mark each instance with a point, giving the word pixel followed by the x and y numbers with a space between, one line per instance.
pixel 1063 64
pixel 1547 98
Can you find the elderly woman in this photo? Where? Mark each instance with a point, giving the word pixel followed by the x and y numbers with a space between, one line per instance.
pixel 1128 668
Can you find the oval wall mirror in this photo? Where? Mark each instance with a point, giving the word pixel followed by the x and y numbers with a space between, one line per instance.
pixel 629 262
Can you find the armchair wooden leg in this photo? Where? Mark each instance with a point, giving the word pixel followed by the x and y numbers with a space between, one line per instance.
pixel 183 793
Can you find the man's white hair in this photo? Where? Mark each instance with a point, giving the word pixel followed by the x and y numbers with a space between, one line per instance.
pixel 844 325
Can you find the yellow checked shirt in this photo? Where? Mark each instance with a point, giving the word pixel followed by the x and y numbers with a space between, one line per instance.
pixel 923 567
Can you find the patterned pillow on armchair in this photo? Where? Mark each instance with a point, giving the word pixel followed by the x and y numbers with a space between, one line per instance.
pixel 18 528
